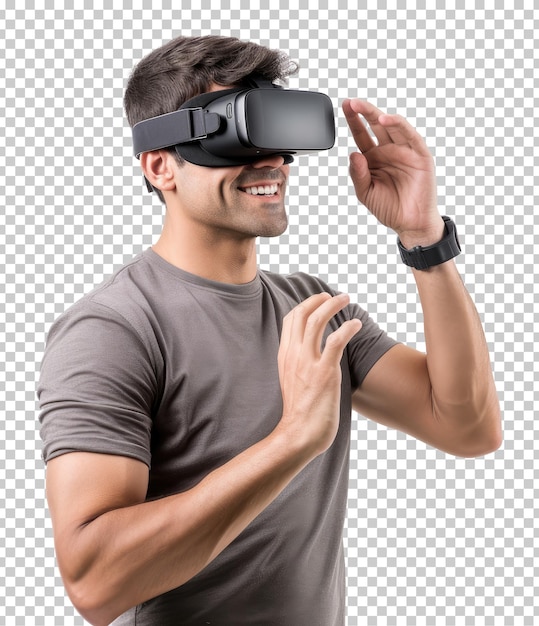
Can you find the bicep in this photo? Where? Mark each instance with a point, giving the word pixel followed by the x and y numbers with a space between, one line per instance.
pixel 397 393
pixel 81 486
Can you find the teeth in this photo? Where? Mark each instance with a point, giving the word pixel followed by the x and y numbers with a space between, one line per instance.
pixel 268 190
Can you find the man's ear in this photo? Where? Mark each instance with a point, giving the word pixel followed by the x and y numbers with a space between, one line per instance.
pixel 158 168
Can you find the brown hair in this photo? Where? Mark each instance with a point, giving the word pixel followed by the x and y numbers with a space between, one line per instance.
pixel 187 66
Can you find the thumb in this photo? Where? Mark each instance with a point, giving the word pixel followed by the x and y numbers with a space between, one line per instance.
pixel 360 175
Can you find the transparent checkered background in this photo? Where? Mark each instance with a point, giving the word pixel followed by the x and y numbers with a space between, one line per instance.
pixel 431 539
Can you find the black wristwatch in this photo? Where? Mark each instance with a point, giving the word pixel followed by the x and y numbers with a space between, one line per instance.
pixel 421 258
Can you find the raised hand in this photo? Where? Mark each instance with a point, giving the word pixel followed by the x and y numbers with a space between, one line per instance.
pixel 393 174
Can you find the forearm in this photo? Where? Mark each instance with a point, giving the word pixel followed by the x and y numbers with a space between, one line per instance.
pixel 129 555
pixel 458 361
pixel 452 389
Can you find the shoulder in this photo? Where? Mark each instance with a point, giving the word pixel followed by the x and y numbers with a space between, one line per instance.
pixel 119 306
pixel 298 286
pixel 128 292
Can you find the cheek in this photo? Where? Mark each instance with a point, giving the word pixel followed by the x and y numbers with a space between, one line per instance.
pixel 211 187
pixel 225 190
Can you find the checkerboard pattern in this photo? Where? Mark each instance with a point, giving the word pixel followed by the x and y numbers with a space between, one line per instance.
pixel 430 539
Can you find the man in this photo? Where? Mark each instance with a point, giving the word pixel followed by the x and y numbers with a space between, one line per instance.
pixel 196 410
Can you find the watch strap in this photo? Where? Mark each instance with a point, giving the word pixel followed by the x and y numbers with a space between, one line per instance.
pixel 423 257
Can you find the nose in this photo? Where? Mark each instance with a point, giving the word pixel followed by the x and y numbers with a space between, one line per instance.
pixel 273 161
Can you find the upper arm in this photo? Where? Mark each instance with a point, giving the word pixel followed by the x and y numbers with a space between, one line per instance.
pixel 81 486
pixel 98 386
pixel 397 393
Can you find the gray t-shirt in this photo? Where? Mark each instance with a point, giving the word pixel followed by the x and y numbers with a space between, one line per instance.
pixel 181 373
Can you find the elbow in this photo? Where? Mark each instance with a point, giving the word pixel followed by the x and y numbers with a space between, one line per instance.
pixel 494 440
pixel 490 425
pixel 94 592
pixel 484 435
pixel 472 421
pixel 473 429
pixel 85 596
pixel 89 605
pixel 95 603
pixel 481 445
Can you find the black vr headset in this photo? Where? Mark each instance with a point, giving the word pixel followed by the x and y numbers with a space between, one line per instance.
pixel 239 126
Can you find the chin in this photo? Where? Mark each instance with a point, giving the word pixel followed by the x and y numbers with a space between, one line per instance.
pixel 273 230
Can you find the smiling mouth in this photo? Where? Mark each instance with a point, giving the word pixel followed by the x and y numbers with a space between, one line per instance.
pixel 261 190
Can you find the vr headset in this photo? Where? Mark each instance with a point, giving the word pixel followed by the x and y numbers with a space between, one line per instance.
pixel 239 126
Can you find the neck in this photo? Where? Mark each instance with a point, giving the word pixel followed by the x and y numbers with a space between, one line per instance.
pixel 215 255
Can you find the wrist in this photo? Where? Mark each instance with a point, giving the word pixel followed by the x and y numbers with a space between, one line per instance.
pixel 423 257
pixel 424 237
pixel 296 442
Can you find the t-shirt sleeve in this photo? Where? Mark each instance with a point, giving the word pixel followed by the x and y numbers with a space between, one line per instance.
pixel 97 386
pixel 367 346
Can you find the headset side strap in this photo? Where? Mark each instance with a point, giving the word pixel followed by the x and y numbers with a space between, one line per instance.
pixel 174 128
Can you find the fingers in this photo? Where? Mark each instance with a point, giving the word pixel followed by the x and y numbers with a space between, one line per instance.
pixel 304 327
pixel 296 321
pixel 403 133
pixel 318 321
pixel 386 128
pixel 338 340
pixel 294 326
pixel 364 141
